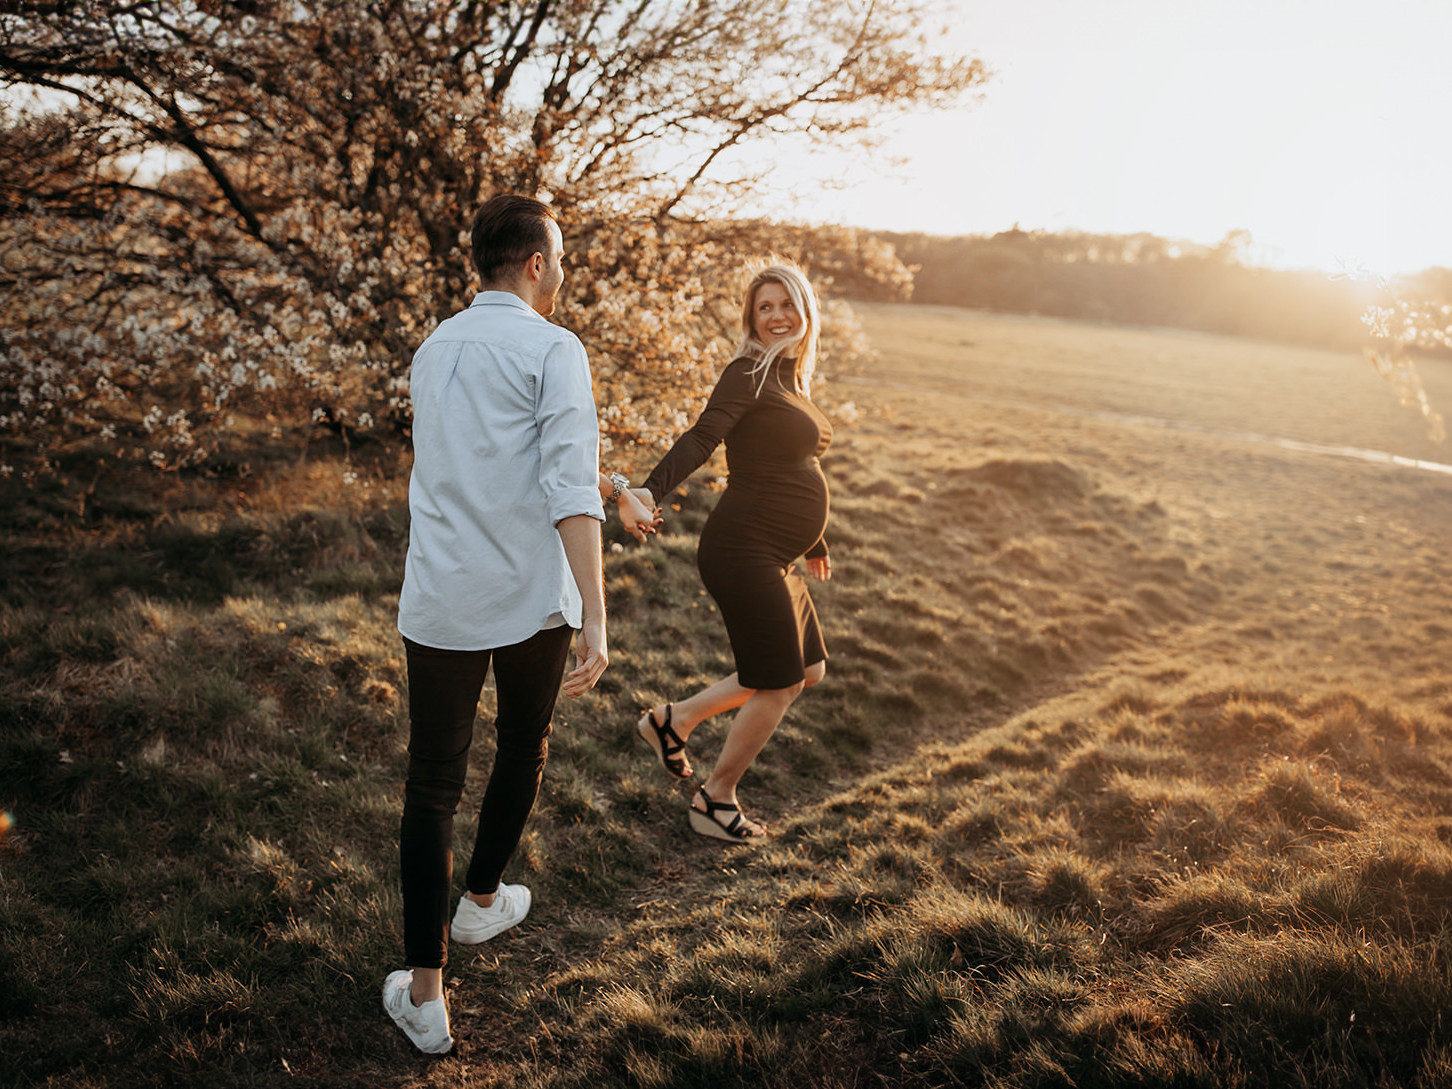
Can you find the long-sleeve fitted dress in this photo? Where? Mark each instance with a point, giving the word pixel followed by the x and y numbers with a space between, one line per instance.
pixel 773 511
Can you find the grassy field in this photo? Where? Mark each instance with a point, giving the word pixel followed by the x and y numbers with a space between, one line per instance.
pixel 1133 764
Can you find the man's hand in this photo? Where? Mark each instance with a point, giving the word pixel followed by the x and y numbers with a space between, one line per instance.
pixel 820 568
pixel 591 656
pixel 637 515
pixel 580 535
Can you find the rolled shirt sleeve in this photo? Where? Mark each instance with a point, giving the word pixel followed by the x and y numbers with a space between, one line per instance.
pixel 569 438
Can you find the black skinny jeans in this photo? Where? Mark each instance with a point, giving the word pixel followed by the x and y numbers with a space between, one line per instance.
pixel 443 700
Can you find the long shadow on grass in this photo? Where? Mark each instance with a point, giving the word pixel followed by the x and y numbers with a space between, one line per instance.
pixel 993 586
pixel 202 561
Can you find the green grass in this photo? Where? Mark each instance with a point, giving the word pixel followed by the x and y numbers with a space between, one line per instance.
pixel 1132 767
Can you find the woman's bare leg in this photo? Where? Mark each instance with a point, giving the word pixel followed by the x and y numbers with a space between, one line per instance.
pixel 725 695
pixel 757 720
pixel 758 713
pixel 753 726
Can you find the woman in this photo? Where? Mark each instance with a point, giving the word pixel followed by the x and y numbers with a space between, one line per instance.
pixel 774 510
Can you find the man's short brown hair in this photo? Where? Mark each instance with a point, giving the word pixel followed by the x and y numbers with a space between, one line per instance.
pixel 508 230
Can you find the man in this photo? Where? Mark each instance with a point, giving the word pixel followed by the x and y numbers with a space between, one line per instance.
pixel 504 564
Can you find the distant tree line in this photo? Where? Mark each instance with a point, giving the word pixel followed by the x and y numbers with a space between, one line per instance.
pixel 1144 279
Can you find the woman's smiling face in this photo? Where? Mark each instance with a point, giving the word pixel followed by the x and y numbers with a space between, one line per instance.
pixel 773 315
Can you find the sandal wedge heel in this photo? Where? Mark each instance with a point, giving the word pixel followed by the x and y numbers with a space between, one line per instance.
pixel 737 830
pixel 666 743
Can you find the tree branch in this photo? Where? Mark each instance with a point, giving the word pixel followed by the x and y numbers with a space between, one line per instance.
pixel 188 139
pixel 505 75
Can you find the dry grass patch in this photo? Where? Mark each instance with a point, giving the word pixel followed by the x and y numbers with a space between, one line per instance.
pixel 1118 725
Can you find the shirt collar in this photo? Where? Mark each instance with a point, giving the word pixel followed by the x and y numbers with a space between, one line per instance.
pixel 502 298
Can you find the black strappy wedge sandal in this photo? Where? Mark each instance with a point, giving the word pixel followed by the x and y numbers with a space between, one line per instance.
pixel 666 743
pixel 739 830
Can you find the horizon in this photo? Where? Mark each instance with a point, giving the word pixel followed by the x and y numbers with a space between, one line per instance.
pixel 1318 146
pixel 1249 256
pixel 1310 124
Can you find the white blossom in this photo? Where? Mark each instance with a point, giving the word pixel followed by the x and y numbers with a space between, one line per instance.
pixel 292 276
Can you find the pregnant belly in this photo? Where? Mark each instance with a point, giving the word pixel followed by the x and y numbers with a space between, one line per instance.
pixel 774 523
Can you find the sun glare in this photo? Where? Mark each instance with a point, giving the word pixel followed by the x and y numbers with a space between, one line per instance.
pixel 1320 202
pixel 1321 139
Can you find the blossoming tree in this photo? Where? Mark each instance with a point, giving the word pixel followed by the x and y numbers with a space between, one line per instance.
pixel 222 220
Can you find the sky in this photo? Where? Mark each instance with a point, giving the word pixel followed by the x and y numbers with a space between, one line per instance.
pixel 1322 127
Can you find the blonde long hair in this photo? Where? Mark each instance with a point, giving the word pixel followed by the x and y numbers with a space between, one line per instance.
pixel 803 346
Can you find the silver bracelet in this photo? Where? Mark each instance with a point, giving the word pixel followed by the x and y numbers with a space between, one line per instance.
pixel 621 483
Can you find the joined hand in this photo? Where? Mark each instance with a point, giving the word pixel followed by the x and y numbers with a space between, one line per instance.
pixel 638 514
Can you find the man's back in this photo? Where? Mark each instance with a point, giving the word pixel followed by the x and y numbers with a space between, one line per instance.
pixel 505 446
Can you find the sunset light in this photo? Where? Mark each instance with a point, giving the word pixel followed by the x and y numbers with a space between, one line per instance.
pixel 906 542
pixel 1317 127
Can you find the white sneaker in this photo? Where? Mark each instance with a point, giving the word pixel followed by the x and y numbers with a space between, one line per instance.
pixel 474 924
pixel 427 1025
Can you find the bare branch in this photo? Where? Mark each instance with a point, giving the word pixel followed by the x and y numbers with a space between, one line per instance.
pixel 505 75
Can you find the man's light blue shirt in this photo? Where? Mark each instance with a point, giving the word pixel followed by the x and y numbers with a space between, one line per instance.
pixel 506 445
